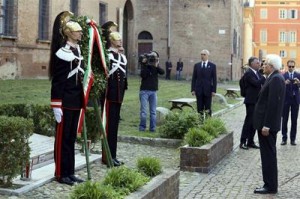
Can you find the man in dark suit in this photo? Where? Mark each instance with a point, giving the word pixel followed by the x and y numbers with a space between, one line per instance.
pixel 267 121
pixel 204 83
pixel 291 103
pixel 253 81
pixel 179 69
pixel 168 69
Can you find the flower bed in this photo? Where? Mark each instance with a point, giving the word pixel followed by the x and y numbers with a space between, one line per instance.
pixel 163 186
pixel 203 159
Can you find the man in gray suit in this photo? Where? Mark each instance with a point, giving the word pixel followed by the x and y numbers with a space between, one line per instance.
pixel 267 121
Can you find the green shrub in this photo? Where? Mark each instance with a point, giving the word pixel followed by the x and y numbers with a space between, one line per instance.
pixel 94 190
pixel 124 179
pixel 150 166
pixel 118 182
pixel 203 134
pixel 41 115
pixel 44 121
pixel 211 130
pixel 214 126
pixel 14 147
pixel 20 110
pixel 197 137
pixel 177 124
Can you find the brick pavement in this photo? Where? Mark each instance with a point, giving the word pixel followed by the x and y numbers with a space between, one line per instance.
pixel 240 172
pixel 234 177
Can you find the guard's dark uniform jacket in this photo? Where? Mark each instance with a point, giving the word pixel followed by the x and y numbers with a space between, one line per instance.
pixel 67 94
pixel 117 81
pixel 67 90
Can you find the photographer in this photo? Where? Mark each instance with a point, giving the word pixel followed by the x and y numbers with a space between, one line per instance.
pixel 291 102
pixel 149 85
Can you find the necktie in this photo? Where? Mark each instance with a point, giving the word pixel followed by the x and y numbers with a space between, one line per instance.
pixel 257 75
pixel 291 78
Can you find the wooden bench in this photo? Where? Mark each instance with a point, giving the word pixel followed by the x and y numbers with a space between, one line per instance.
pixel 181 102
pixel 232 92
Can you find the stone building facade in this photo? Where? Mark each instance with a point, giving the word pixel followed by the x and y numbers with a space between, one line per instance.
pixel 181 29
pixel 25 50
pixel 276 30
pixel 174 28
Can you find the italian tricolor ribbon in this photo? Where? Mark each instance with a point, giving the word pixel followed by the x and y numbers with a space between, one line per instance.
pixel 88 80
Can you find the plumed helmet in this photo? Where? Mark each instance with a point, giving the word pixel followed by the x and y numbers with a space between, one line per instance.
pixel 106 32
pixel 66 25
pixel 115 36
pixel 62 27
pixel 72 26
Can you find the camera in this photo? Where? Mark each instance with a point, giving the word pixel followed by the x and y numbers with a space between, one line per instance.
pixel 149 58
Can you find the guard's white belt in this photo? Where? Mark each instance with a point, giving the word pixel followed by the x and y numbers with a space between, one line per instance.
pixel 117 63
pixel 75 70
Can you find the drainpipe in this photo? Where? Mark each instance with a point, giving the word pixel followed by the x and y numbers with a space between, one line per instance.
pixel 169 28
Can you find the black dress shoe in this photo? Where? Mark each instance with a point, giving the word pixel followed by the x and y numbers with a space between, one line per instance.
pixel 118 161
pixel 75 179
pixel 264 190
pixel 66 180
pixel 283 143
pixel 115 163
pixel 293 143
pixel 253 145
pixel 243 146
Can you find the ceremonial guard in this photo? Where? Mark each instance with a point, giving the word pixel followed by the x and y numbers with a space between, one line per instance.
pixel 65 72
pixel 116 86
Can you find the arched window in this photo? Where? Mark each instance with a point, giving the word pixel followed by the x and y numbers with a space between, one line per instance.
pixel 145 35
pixel 145 44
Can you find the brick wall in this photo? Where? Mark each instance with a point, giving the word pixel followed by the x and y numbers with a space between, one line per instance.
pixel 24 56
pixel 194 25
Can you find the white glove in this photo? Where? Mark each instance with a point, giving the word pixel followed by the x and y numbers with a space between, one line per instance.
pixel 57 114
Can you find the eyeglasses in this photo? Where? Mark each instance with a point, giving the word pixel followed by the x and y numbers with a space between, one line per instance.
pixel 203 54
pixel 291 66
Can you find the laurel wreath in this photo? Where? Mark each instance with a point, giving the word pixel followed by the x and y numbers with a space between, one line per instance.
pixel 100 80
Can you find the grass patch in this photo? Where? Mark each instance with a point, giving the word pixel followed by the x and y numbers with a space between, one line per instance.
pixel 31 91
pixel 37 91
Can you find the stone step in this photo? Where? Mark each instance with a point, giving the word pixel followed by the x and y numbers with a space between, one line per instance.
pixel 42 150
pixel 42 161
